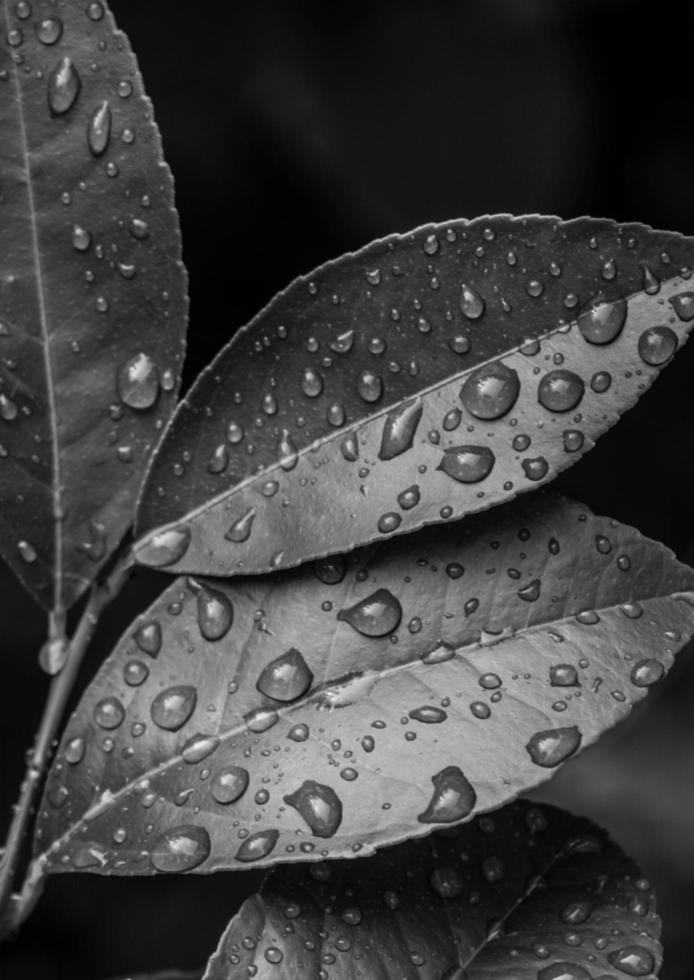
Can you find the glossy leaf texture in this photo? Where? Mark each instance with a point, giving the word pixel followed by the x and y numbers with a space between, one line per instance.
pixel 332 710
pixel 426 377
pixel 530 893
pixel 93 303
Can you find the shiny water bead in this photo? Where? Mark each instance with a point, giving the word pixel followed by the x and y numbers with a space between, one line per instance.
pixel 535 469
pixel 647 672
pixel 409 498
pixel 491 391
pixel 148 637
pixel 573 440
pixel 657 345
pixel 311 383
pixel 138 382
pixel 172 707
pixel 109 713
pixel 560 390
pixel 240 530
pixel 399 429
pixel 453 798
pixel 285 678
pixel 601 381
pixel 215 613
pixel 49 30
pixel 683 305
pixel 180 849
pixel 370 386
pixel 64 86
pixel 634 961
pixel 387 523
pixel 257 846
pixel 467 464
pixel 319 805
pixel 229 784
pixel 377 615
pixel 550 748
pixel 165 548
pixel 99 129
pixel 472 305
pixel 604 321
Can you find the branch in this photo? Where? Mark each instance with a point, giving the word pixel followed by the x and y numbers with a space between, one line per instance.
pixel 15 908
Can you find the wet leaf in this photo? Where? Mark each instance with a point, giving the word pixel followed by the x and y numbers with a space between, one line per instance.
pixel 93 304
pixel 365 699
pixel 531 893
pixel 425 377
pixel 165 975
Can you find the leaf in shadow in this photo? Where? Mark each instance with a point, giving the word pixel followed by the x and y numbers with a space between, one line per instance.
pixel 425 377
pixel 93 306
pixel 332 710
pixel 531 893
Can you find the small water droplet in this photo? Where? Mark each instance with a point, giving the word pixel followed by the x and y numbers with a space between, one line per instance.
pixel 63 87
pixel 74 750
pixel 135 673
pixel 563 971
pixel 535 469
pixel 453 798
pixel 109 713
pixel 601 381
pixel 377 615
pixel 467 464
pixel 99 129
pixel 286 678
pixel 342 344
pixel 148 638
pixel 261 719
pixel 311 383
pixel 257 846
pixel 387 523
pixel 49 30
pixel 530 592
pixel 95 10
pixel 428 714
pixel 549 748
pixel 215 613
pixel 27 552
pixel 409 498
pixel 657 345
pixel 138 382
pixel 647 672
pixel 370 386
pixel 573 440
pixel 651 283
pixel 181 849
pixel 240 530
pixel 471 303
pixel 172 707
pixel 164 548
pixel 8 408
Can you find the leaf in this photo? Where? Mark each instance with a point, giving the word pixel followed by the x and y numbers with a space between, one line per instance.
pixel 330 711
pixel 165 975
pixel 93 303
pixel 425 377
pixel 531 893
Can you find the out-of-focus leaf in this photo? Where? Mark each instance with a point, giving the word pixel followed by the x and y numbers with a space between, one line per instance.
pixel 93 297
pixel 425 377
pixel 164 975
pixel 531 893
pixel 330 711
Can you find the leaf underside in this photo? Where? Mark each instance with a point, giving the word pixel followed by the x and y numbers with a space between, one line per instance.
pixel 425 377
pixel 93 298
pixel 332 710
pixel 530 893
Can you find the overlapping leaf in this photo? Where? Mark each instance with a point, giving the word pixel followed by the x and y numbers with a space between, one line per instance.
pixel 330 711
pixel 425 377
pixel 93 300
pixel 530 893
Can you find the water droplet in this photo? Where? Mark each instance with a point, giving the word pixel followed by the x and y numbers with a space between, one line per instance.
pixel 560 390
pixel 257 846
pixel 601 381
pixel 471 303
pixel 446 882
pixel 49 30
pixel 135 673
pixel 99 129
pixel 95 10
pixel 431 245
pixel 319 805
pixel 490 681
pixel 215 613
pixel 604 321
pixel 657 345
pixel 387 523
pixel 288 453
pixel 342 344
pixel 377 615
pixel 63 87
pixel 261 719
pixel 27 552
pixel 311 383
pixel 74 750
pixel 490 391
pixel 573 440
pixel 535 469
pixel 23 10
pixel 530 592
pixel 647 672
pixel 635 961
pixel 286 678
pixel 138 382
pixel 234 433
pixel 549 748
pixel 181 849
pixel 8 408
pixel 164 548
pixel 603 544
pixel 683 305
pixel 109 713
pixel 409 498
pixel 428 714
pixel 576 912
pixel 229 784
pixel 240 530
pixel 563 971
pixel 148 638
pixel 451 420
pixel 139 229
pixel 172 708
pixel 298 733
pixel 467 464
pixel 453 798
pixel 274 955
pixel 349 447
pixel 399 429
pixel 563 675
pixel 335 415
pixel 370 386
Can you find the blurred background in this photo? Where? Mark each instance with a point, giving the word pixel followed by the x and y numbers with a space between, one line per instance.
pixel 300 129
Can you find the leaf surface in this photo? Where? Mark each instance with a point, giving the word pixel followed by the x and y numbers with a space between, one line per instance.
pixel 427 376
pixel 332 710
pixel 530 893
pixel 93 300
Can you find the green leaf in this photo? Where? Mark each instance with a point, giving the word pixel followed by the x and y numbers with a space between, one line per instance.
pixel 330 711
pixel 530 893
pixel 425 377
pixel 93 304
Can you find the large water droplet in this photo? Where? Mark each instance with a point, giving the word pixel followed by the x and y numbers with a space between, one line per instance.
pixel 635 961
pixel 370 386
pixel 81 238
pixel 215 613
pixel 148 638
pixel 549 748
pixel 467 464
pixel 229 784
pixel 429 714
pixel 563 971
pixel 604 321
pixel 181 849
pixel 311 383
pixel 172 708
pixel 377 615
pixel 63 87
pixel 261 719
pixel 164 548
pixel 560 391
pixel 99 129
pixel 330 571
pixel 286 678
pixel 109 713
pixel 491 391
pixel 319 805
pixel 683 305
pixel 453 798
pixel 241 529
pixel 138 382
pixel 399 429
pixel 657 345
pixel 49 30
pixel 257 846
pixel 563 675
pixel 74 750
pixel 530 592
pixel 647 672
pixel 471 303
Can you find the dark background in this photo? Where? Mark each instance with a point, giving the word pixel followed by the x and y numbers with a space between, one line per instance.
pixel 298 130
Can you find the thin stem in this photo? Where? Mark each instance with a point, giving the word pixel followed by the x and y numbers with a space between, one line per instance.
pixel 15 908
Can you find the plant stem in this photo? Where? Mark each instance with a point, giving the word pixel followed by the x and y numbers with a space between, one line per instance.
pixel 15 908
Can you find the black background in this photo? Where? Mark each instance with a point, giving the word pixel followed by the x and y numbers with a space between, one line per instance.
pixel 299 130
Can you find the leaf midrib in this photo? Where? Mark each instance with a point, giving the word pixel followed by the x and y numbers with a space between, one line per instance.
pixel 45 337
